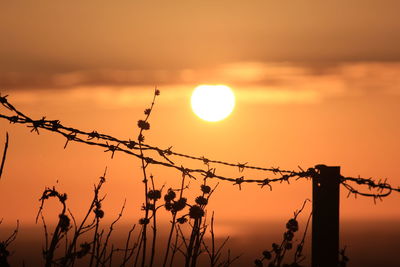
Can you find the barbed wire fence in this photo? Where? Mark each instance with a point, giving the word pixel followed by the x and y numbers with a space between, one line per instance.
pixel 377 188
pixel 112 144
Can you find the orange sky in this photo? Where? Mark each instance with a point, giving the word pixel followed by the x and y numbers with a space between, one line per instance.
pixel 356 131
pixel 315 83
pixel 269 127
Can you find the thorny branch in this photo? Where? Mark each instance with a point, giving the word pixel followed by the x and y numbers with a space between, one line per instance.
pixel 113 144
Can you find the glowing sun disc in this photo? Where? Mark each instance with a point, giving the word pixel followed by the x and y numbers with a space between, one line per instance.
pixel 212 102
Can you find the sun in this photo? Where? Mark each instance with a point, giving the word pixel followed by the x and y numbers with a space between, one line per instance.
pixel 213 102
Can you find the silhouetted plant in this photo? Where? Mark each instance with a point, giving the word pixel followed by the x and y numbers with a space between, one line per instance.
pixel 96 248
pixel 61 228
pixel 151 195
pixel 4 246
pixel 277 253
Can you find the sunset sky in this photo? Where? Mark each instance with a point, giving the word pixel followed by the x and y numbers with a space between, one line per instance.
pixel 315 83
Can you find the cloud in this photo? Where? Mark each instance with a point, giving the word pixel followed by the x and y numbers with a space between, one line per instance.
pixel 44 38
pixel 106 97
pixel 253 82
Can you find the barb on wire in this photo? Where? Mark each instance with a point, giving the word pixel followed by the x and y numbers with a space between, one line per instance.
pixel 113 144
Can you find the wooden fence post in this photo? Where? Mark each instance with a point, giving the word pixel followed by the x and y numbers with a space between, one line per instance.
pixel 325 219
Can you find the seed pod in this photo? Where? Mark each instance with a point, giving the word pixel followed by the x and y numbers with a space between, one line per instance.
pixel 168 205
pixel 276 248
pixel 292 225
pixel 205 189
pixel 170 195
pixel 288 235
pixel 201 200
pixel 179 205
pixel 144 125
pixel 267 254
pixel 195 212
pixel 181 220
pixel 154 194
pixel 99 213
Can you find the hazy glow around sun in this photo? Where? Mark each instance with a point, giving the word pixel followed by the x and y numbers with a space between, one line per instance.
pixel 212 102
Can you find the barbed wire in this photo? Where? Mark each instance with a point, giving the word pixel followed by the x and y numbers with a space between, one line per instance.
pixel 113 144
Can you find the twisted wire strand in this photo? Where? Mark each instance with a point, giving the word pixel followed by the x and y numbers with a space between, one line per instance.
pixel 129 146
